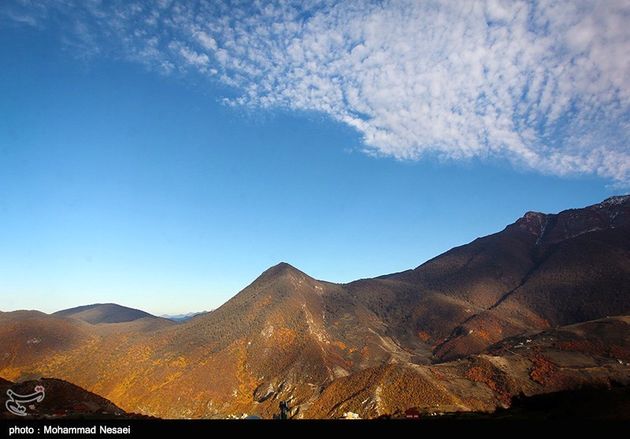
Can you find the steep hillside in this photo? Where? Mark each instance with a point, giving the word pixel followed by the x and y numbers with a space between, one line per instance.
pixel 540 272
pixel 580 271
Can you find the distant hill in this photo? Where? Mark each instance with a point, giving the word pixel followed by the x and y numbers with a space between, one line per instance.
pixel 104 313
pixel 179 318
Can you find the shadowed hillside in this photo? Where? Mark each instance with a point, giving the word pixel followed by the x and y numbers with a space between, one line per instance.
pixel 542 271
pixel 62 400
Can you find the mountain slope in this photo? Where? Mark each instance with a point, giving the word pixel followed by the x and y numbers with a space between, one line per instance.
pixel 285 336
pixel 28 337
pixel 581 271
pixel 593 354
pixel 542 271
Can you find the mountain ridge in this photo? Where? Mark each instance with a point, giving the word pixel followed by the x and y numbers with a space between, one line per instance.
pixel 288 336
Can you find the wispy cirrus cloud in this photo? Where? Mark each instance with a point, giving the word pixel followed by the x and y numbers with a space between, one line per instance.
pixel 543 84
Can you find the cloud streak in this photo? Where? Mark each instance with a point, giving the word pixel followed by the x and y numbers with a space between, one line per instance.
pixel 545 85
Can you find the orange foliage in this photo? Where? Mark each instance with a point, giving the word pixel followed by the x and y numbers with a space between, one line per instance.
pixel 284 337
pixel 341 345
pixel 438 374
pixel 424 336
pixel 542 370
pixel 480 375
pixel 484 373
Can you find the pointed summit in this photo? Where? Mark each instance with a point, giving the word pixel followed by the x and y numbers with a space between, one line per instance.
pixel 284 280
pixel 281 270
pixel 283 266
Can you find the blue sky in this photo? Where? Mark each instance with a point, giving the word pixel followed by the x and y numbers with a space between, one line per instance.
pixel 168 179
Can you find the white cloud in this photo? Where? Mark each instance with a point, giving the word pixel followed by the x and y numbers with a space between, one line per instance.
pixel 543 84
pixel 206 40
pixel 191 57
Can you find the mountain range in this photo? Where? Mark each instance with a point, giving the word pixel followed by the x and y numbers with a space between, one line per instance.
pixel 541 306
pixel 182 317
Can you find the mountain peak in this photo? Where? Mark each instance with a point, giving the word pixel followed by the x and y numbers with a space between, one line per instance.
pixel 533 222
pixel 282 269
pixel 282 272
